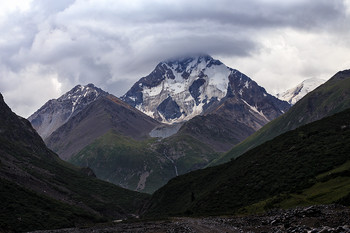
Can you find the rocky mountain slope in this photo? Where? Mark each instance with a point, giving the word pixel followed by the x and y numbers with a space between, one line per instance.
pixel 329 98
pixel 105 114
pixel 235 117
pixel 56 112
pixel 221 106
pixel 293 95
pixel 306 166
pixel 40 191
pixel 112 138
pixel 180 89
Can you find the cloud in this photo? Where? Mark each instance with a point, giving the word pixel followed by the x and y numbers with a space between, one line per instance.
pixel 114 43
pixel 30 88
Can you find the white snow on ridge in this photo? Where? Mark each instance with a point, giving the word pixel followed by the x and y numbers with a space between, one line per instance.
pixel 63 108
pixel 215 85
pixel 293 95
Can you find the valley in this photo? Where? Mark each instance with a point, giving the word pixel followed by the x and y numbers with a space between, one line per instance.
pixel 212 108
pixel 174 116
pixel 290 157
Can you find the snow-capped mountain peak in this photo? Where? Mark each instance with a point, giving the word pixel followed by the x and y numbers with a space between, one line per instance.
pixel 293 95
pixel 180 89
pixel 56 112
pixel 80 96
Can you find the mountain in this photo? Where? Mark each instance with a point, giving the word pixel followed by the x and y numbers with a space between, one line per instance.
pixel 329 98
pixel 293 95
pixel 306 166
pixel 56 112
pixel 112 138
pixel 105 114
pixel 213 103
pixel 40 191
pixel 143 165
pixel 236 116
pixel 179 89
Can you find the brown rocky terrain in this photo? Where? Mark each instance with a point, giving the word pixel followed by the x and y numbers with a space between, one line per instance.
pixel 322 218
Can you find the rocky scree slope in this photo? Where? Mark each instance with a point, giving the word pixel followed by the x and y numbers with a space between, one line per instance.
pixel 323 218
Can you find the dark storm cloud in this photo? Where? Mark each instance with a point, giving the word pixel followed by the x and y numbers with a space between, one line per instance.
pixel 255 13
pixel 113 43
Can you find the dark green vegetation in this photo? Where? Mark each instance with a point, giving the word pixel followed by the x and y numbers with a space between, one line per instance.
pixel 330 187
pixel 23 210
pixel 329 98
pixel 143 165
pixel 40 191
pixel 288 165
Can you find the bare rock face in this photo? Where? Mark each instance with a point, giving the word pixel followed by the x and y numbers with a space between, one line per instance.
pixel 56 112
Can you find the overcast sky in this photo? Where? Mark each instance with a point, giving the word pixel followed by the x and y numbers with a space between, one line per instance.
pixel 48 46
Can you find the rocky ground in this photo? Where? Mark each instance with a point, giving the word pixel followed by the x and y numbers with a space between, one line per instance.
pixel 324 218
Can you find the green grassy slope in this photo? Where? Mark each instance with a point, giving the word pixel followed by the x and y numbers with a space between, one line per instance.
pixel 329 98
pixel 142 165
pixel 287 164
pixel 330 187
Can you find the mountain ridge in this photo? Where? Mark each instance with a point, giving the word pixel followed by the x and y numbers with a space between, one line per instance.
pixel 179 89
pixel 102 115
pixel 293 95
pixel 329 98
pixel 56 112
pixel 187 90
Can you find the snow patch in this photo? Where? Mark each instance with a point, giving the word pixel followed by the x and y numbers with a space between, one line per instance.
pixel 255 109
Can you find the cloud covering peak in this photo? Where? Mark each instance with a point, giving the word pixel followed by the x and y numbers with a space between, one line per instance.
pixel 47 46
